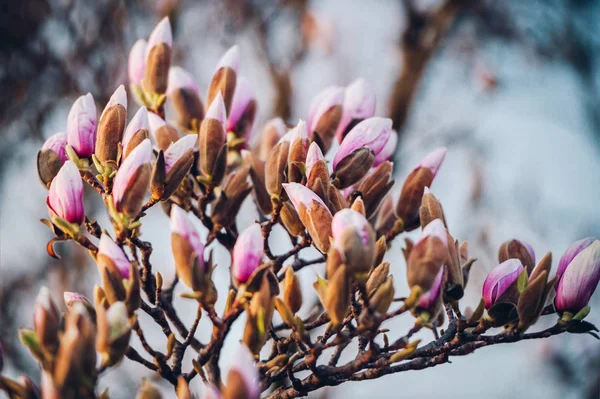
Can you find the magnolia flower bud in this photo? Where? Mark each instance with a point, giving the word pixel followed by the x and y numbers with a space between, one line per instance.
pixel 163 133
pixel 377 276
pixel 158 58
pixel 81 126
pixel 276 168
pixel 532 299
pixel 65 197
pixel 235 190
pixel 111 127
pixel 298 139
pixel 273 131
pixel 243 109
pixel 388 150
pixel 571 252
pixel 46 320
pixel 136 131
pixel 114 331
pixel 354 237
pixel 132 180
pixel 359 149
pixel 317 175
pixel 431 300
pixel 579 278
pixel 224 79
pixel 172 166
pixel 185 97
pixel 137 62
pixel 426 258
pixel 260 313
pixel 242 378
pixel 498 283
pixel 335 294
pixel 375 185
pixel 247 253
pixel 359 104
pixel 291 220
pixel 51 157
pixel 292 294
pixel 383 296
pixel 74 299
pixel 313 213
pixel 519 250
pixel 212 139
pixel 411 195
pixel 324 116
pixel 430 209
pixel 112 257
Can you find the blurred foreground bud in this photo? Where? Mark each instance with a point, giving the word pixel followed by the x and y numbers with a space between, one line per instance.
pixel 500 291
pixel 243 109
pixel 407 208
pixel 247 254
pixel 354 237
pixel 51 157
pixel 313 213
pixel 183 389
pixel 292 294
pixel 148 391
pixel 212 142
pixel 324 115
pixel 172 166
pixel 137 62
pixel 81 126
pixel 185 97
pixel 517 249
pixel 46 321
pixel 359 104
pixel 110 129
pixel 158 58
pixel 358 150
pixel 73 299
pixel 224 79
pixel 242 379
pixel 163 133
pixel 235 190
pixel 579 278
pixel 113 335
pixel 375 186
pixel 273 131
pixel 136 132
pixel 132 180
pixel 65 197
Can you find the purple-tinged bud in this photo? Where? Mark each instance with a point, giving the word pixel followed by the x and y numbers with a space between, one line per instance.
pixel 247 253
pixel 354 237
pixel 431 300
pixel 136 131
pixel 243 109
pixel 324 116
pixel 571 252
pixel 183 227
pixel 185 96
pixel 225 77
pixel 65 198
pixel 242 378
pixel 111 128
pixel 57 143
pixel 162 133
pixel 132 180
pixel 178 150
pixel 313 156
pixel 499 280
pixel 579 280
pixel 359 104
pixel 158 58
pixel 231 59
pixel 46 320
pixel 137 62
pixel 81 126
pixel 51 157
pixel 313 212
pixel 388 150
pixel 112 256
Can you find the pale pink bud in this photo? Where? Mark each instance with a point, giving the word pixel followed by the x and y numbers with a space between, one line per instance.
pixel 179 78
pixel 242 97
pixel 571 252
pixel 81 126
pixel 177 149
pixel 372 133
pixel 161 34
pixel 217 110
pixel 57 143
pixel 359 103
pixel 499 280
pixel 435 228
pixel 137 158
pixel 247 253
pixel 349 219
pixel 231 59
pixel 313 156
pixel 300 194
pixel 112 251
pixel 433 160
pixel 65 197
pixel 323 102
pixel 119 97
pixel 244 365
pixel 137 62
pixel 388 150
pixel 138 122
pixel 182 225
pixel 579 280
pixel 429 299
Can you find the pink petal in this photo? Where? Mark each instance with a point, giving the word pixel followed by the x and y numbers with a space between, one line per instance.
pixel 138 122
pixel 110 249
pixel 137 62
pixel 372 133
pixel 139 156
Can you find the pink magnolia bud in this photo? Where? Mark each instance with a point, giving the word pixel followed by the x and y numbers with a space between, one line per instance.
pixel 243 109
pixel 579 280
pixel 434 228
pixel 137 123
pixel 132 179
pixel 107 247
pixel 429 299
pixel 388 150
pixel 433 160
pixel 323 102
pixel 313 156
pixel 119 97
pixel 571 252
pixel 158 58
pixel 247 253
pixel 231 59
pixel 65 197
pixel 81 126
pixel 372 133
pixel 359 104
pixel 300 194
pixel 349 219
pixel 354 238
pixel 46 318
pixel 179 78
pixel 137 62
pixel 217 111
pixel 182 225
pixel 57 143
pixel 178 149
pixel 161 34
pixel 500 279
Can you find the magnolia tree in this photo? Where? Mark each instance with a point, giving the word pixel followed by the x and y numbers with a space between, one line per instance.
pixel 203 167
